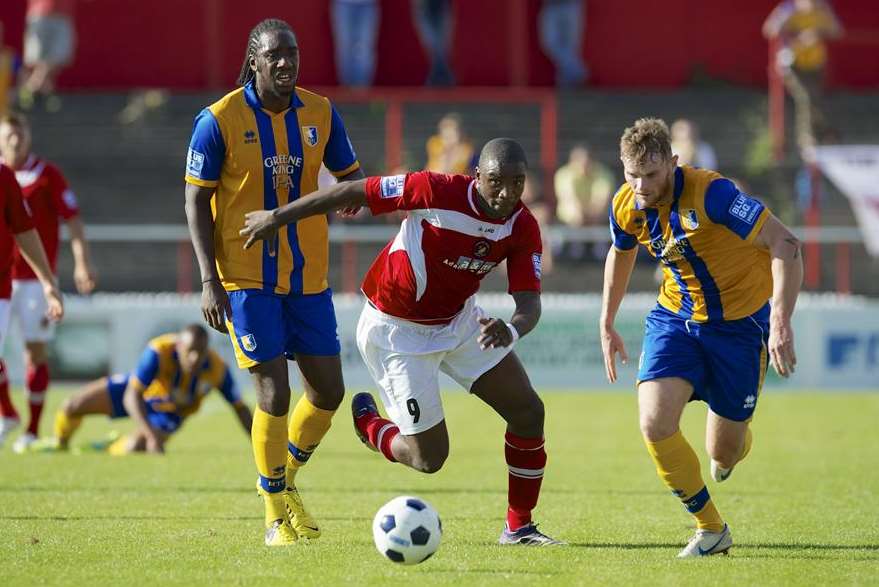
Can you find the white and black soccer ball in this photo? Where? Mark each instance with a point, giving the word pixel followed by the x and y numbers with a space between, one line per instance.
pixel 407 530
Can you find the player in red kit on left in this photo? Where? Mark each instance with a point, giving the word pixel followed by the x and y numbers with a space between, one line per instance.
pixel 48 200
pixel 17 229
pixel 421 315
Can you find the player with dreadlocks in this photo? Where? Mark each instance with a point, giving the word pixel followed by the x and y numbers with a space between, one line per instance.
pixel 261 146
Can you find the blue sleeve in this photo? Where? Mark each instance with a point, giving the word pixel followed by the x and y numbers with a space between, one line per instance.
pixel 147 366
pixel 621 239
pixel 229 389
pixel 726 205
pixel 207 150
pixel 339 154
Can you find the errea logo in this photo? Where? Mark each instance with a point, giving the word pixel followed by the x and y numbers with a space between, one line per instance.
pixel 750 401
pixel 249 137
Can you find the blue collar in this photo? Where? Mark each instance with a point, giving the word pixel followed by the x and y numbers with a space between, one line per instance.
pixel 678 189
pixel 254 102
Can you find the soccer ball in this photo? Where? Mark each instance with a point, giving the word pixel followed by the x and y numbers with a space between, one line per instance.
pixel 407 530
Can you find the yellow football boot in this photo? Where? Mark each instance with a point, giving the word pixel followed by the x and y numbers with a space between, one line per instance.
pixel 302 522
pixel 279 532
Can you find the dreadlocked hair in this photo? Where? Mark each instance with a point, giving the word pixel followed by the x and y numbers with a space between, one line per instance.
pixel 269 25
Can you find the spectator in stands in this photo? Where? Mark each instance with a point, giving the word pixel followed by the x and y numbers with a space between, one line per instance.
pixel 140 103
pixel 802 26
pixel 49 41
pixel 9 65
pixel 561 36
pixel 689 147
pixel 583 188
pixel 433 20
pixel 355 30
pixel 449 150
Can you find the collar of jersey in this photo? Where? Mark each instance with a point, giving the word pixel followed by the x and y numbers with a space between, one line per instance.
pixel 679 187
pixel 254 102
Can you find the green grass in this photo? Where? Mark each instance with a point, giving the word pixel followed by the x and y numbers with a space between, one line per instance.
pixel 804 507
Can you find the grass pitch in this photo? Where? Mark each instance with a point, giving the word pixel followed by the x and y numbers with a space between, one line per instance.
pixel 803 508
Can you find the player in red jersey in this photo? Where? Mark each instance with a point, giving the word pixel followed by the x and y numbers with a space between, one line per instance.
pixel 17 228
pixel 49 200
pixel 421 317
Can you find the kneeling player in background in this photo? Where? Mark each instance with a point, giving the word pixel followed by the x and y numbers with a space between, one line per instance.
pixel 421 315
pixel 174 375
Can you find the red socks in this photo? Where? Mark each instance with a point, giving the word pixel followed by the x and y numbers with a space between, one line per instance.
pixel 380 433
pixel 526 459
pixel 37 380
pixel 7 410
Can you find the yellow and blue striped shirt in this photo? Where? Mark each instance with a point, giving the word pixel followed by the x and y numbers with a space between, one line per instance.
pixel 704 238
pixel 257 159
pixel 165 388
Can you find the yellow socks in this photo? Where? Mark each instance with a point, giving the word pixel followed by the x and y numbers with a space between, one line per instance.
pixel 65 426
pixel 678 467
pixel 308 425
pixel 269 438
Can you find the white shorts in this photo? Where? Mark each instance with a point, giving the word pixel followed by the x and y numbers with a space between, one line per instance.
pixel 29 309
pixel 405 358
pixel 4 322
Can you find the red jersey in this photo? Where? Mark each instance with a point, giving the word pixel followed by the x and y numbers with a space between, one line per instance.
pixel 445 246
pixel 48 199
pixel 14 220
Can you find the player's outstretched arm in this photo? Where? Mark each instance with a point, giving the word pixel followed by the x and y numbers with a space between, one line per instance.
pixel 617 271
pixel 135 407
pixel 263 224
pixel 787 278
pixel 215 305
pixel 32 249
pixel 497 333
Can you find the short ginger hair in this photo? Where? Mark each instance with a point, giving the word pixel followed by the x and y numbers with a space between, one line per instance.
pixel 647 138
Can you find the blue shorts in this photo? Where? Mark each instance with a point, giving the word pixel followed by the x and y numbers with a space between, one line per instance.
pixel 724 361
pixel 167 422
pixel 266 325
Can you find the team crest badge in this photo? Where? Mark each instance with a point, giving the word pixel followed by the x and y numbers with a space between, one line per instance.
pixel 689 219
pixel 248 342
pixel 481 248
pixel 309 133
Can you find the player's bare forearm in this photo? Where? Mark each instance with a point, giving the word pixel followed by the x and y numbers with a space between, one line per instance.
pixel 78 244
pixel 787 277
pixel 617 270
pixel 527 312
pixel 787 265
pixel 33 252
pixel 201 229
pixel 345 194
pixel 83 271
pixel 245 417
pixel 135 407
